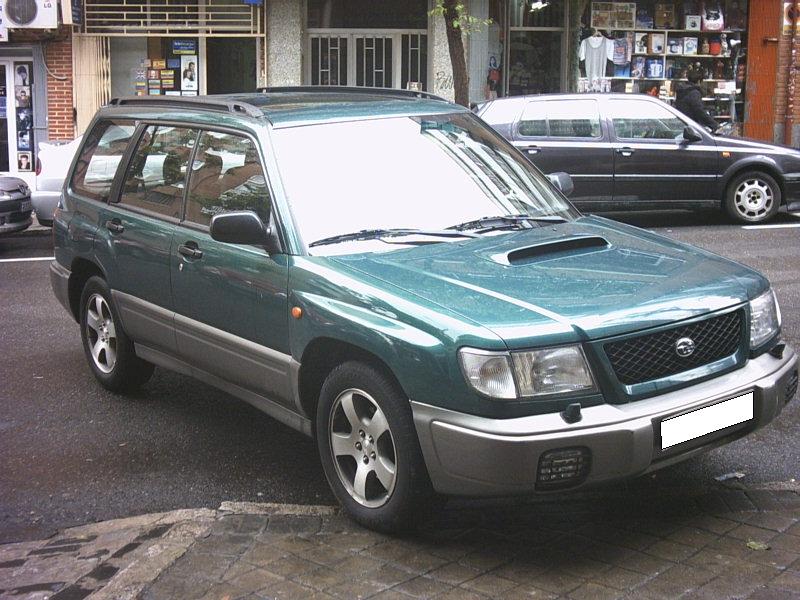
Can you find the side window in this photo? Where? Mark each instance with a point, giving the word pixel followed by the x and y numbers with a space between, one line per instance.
pixel 640 119
pixel 226 176
pixel 155 179
pixel 573 118
pixel 533 121
pixel 100 157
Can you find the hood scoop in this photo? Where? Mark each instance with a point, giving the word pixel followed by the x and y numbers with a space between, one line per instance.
pixel 550 248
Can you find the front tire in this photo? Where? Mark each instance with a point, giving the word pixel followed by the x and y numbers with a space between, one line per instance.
pixel 108 349
pixel 753 197
pixel 369 449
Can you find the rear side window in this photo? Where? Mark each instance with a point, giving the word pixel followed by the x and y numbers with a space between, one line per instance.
pixel 641 119
pixel 561 119
pixel 226 176
pixel 156 177
pixel 100 157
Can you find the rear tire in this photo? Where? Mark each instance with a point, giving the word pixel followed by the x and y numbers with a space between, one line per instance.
pixel 369 449
pixel 109 351
pixel 753 197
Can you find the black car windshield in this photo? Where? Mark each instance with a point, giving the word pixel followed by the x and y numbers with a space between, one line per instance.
pixel 427 173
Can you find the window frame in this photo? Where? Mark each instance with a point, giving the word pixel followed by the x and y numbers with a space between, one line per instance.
pixel 641 140
pixel 551 138
pixel 121 166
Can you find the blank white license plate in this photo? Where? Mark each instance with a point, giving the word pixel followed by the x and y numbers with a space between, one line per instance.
pixel 706 420
pixel 24 205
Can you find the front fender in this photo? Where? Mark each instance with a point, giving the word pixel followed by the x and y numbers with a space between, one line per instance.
pixel 752 163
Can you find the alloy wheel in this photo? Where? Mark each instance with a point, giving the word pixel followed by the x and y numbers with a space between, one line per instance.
pixel 362 448
pixel 101 333
pixel 753 198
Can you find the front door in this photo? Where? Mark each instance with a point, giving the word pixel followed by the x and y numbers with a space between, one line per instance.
pixel 231 316
pixel 652 162
pixel 566 135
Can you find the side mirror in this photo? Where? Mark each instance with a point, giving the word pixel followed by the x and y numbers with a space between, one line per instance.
pixel 243 227
pixel 690 135
pixel 563 182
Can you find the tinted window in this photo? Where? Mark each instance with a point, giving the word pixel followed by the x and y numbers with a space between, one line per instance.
pixel 638 119
pixel 534 120
pixel 562 118
pixel 155 179
pixel 100 157
pixel 226 175
pixel 573 118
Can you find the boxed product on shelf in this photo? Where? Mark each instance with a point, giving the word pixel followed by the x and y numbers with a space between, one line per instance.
pixel 644 20
pixel 655 43
pixel 654 68
pixel 675 45
pixel 692 22
pixel 690 45
pixel 664 15
pixel 640 43
pixel 637 66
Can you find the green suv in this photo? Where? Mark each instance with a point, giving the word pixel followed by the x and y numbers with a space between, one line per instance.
pixel 382 271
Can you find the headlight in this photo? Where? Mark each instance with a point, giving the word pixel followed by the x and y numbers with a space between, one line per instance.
pixel 542 372
pixel 488 372
pixel 550 371
pixel 765 318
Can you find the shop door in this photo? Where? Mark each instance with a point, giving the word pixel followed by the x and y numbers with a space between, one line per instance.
pixel 231 65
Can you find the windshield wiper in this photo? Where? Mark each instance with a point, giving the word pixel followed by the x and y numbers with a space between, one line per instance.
pixel 372 234
pixel 485 224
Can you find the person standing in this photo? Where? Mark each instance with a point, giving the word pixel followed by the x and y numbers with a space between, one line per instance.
pixel 689 98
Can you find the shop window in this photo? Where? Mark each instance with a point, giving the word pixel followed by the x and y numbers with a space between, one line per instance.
pixel 100 157
pixel 634 119
pixel 156 176
pixel 226 175
pixel 525 13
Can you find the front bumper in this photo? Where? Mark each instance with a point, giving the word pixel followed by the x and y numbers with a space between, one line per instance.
pixel 44 205
pixel 477 456
pixel 14 216
pixel 791 187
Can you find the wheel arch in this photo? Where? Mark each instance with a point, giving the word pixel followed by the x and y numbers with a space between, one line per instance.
pixel 754 164
pixel 81 270
pixel 323 354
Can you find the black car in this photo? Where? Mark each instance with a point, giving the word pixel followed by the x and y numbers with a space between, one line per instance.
pixel 15 205
pixel 632 152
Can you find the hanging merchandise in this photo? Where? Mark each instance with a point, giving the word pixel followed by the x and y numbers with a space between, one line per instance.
pixel 595 52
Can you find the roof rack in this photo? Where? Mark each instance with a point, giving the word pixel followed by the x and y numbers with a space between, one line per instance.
pixel 197 102
pixel 341 89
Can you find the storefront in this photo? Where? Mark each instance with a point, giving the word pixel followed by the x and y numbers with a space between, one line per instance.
pixel 170 48
pixel 630 47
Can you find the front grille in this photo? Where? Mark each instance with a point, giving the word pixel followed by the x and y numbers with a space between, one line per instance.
pixel 791 387
pixel 648 357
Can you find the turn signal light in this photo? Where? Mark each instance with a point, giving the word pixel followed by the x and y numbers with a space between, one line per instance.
pixel 562 468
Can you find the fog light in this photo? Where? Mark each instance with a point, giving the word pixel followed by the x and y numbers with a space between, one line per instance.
pixel 565 467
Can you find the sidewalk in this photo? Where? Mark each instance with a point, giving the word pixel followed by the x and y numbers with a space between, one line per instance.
pixel 727 543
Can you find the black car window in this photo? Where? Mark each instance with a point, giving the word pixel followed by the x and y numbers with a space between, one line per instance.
pixel 642 119
pixel 226 175
pixel 157 173
pixel 533 122
pixel 573 118
pixel 100 157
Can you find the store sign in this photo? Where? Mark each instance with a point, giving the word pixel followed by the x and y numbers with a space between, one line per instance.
pixel 252 2
pixel 184 47
pixel 30 14
pixel 789 17
pixel 77 11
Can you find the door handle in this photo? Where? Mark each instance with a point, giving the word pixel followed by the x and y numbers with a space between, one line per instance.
pixel 533 150
pixel 115 226
pixel 626 151
pixel 190 250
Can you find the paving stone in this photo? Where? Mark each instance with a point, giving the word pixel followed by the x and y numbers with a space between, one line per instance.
pixel 727 585
pixel 254 580
pixel 713 524
pixel 677 581
pixel 223 591
pixel 422 587
pixel 263 554
pixel 556 581
pixel 320 579
pixel 349 541
pixel 527 592
pixel 205 566
pixel 389 550
pixel 290 566
pixel 294 524
pixel 249 524
pixel 489 584
pixel 750 532
pixel 419 562
pixel 784 541
pixel 454 573
pixel 287 590
pixel 358 565
pixel 464 594
pixel 691 536
pixel 777 521
pixel 483 561
pixel 325 555
pixel 390 595
pixel 767 593
pixel 737 501
pixel 789 581
pixel 595 591
pixel 645 564
pixel 355 588
pixel 621 579
pixel 388 575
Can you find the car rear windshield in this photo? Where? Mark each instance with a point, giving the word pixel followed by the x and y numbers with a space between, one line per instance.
pixel 417 172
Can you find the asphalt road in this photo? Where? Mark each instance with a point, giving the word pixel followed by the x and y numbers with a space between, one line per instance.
pixel 71 453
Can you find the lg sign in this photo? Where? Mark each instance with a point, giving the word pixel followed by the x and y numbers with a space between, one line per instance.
pixel 30 14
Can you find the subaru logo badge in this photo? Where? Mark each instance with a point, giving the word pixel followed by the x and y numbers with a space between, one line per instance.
pixel 684 347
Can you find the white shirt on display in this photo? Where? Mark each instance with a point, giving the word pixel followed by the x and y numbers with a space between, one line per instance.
pixel 596 50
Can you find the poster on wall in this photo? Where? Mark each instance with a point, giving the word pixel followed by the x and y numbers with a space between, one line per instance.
pixel 181 47
pixel 24 161
pixel 23 107
pixel 189 72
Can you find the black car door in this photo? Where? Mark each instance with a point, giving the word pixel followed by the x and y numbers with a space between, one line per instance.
pixel 568 135
pixel 653 163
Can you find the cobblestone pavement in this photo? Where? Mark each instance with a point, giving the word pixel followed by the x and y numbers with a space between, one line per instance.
pixel 728 543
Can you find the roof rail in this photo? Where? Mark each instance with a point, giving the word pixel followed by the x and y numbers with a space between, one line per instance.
pixel 342 89
pixel 194 102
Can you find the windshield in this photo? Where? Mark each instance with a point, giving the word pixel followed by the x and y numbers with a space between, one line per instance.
pixel 429 173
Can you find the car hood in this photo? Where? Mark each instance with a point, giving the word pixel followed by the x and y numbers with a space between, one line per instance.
pixel 756 145
pixel 587 279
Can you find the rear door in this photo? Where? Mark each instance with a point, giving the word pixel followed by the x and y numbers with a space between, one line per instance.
pixel 568 135
pixel 231 314
pixel 653 164
pixel 137 228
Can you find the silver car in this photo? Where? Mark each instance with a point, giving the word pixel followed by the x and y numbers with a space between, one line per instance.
pixel 52 163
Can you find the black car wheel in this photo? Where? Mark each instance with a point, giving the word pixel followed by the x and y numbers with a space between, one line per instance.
pixel 369 449
pixel 108 349
pixel 753 197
